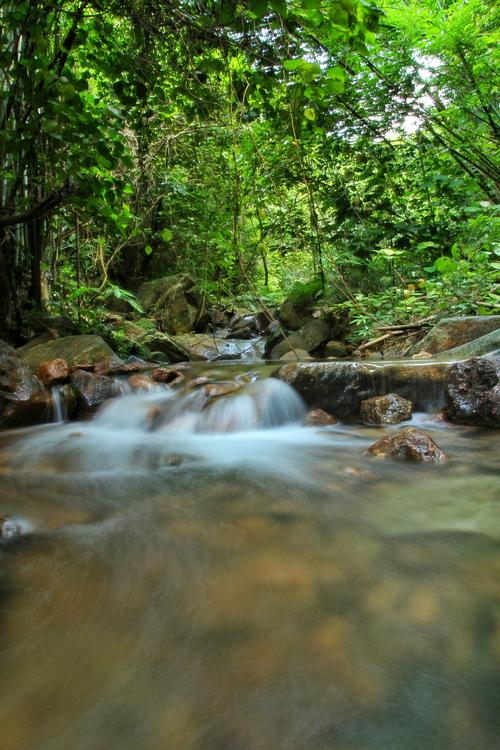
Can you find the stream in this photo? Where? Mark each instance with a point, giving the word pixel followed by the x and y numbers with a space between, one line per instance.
pixel 227 579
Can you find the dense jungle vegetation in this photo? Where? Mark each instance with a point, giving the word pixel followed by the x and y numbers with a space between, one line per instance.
pixel 266 147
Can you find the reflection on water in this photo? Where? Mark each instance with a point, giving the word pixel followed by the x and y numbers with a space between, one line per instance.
pixel 261 590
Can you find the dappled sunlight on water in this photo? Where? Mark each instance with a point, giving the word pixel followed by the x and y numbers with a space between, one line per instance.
pixel 255 590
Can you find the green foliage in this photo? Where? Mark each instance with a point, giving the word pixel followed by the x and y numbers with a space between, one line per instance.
pixel 255 145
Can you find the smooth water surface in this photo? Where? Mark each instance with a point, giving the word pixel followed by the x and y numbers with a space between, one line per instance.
pixel 261 589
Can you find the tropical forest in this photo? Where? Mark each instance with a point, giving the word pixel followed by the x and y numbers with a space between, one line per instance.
pixel 249 374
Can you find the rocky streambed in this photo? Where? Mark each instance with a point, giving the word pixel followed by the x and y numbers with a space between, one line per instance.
pixel 194 569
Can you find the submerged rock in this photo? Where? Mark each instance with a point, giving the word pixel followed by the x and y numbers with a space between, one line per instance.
pixel 319 418
pixel 453 332
pixel 389 409
pixel 9 529
pixel 54 371
pixel 140 382
pixel 473 392
pixel 340 387
pixel 408 445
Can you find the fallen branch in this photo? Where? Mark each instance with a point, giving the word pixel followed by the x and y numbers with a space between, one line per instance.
pixel 495 305
pixel 378 340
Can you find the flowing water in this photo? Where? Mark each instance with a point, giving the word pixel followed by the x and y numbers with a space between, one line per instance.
pixel 223 578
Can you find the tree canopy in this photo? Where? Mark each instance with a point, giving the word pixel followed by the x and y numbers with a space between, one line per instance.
pixel 258 145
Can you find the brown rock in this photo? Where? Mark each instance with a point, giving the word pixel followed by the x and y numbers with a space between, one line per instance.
pixel 140 382
pixel 389 409
pixel 53 371
pixel 167 375
pixel 319 418
pixel 23 399
pixel 214 390
pixel 196 382
pixel 408 445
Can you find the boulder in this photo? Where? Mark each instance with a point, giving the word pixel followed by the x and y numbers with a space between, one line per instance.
pixel 293 314
pixel 23 399
pixel 487 344
pixel 309 338
pixel 452 332
pixel 162 346
pixel 54 371
pixel 78 351
pixel 206 347
pixel 91 391
pixel 319 418
pixel 408 445
pixel 473 392
pixel 340 387
pixel 298 355
pixel 175 301
pixel 335 349
pixel 243 327
pixel 388 409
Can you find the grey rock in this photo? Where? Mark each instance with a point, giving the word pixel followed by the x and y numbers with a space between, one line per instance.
pixel 450 333
pixel 78 351
pixel 340 387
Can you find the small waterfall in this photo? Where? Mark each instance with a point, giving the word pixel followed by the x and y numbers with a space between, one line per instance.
pixel 153 430
pixel 59 404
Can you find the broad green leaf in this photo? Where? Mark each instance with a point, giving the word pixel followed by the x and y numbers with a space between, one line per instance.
pixel 309 113
pixel 148 249
pixel 292 64
pixel 444 264
pixel 166 235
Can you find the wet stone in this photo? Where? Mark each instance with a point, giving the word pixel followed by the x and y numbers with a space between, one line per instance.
pixel 215 390
pixel 389 409
pixel 167 375
pixel 473 392
pixel 53 371
pixel 140 382
pixel 9 529
pixel 91 391
pixel 408 445
pixel 319 418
